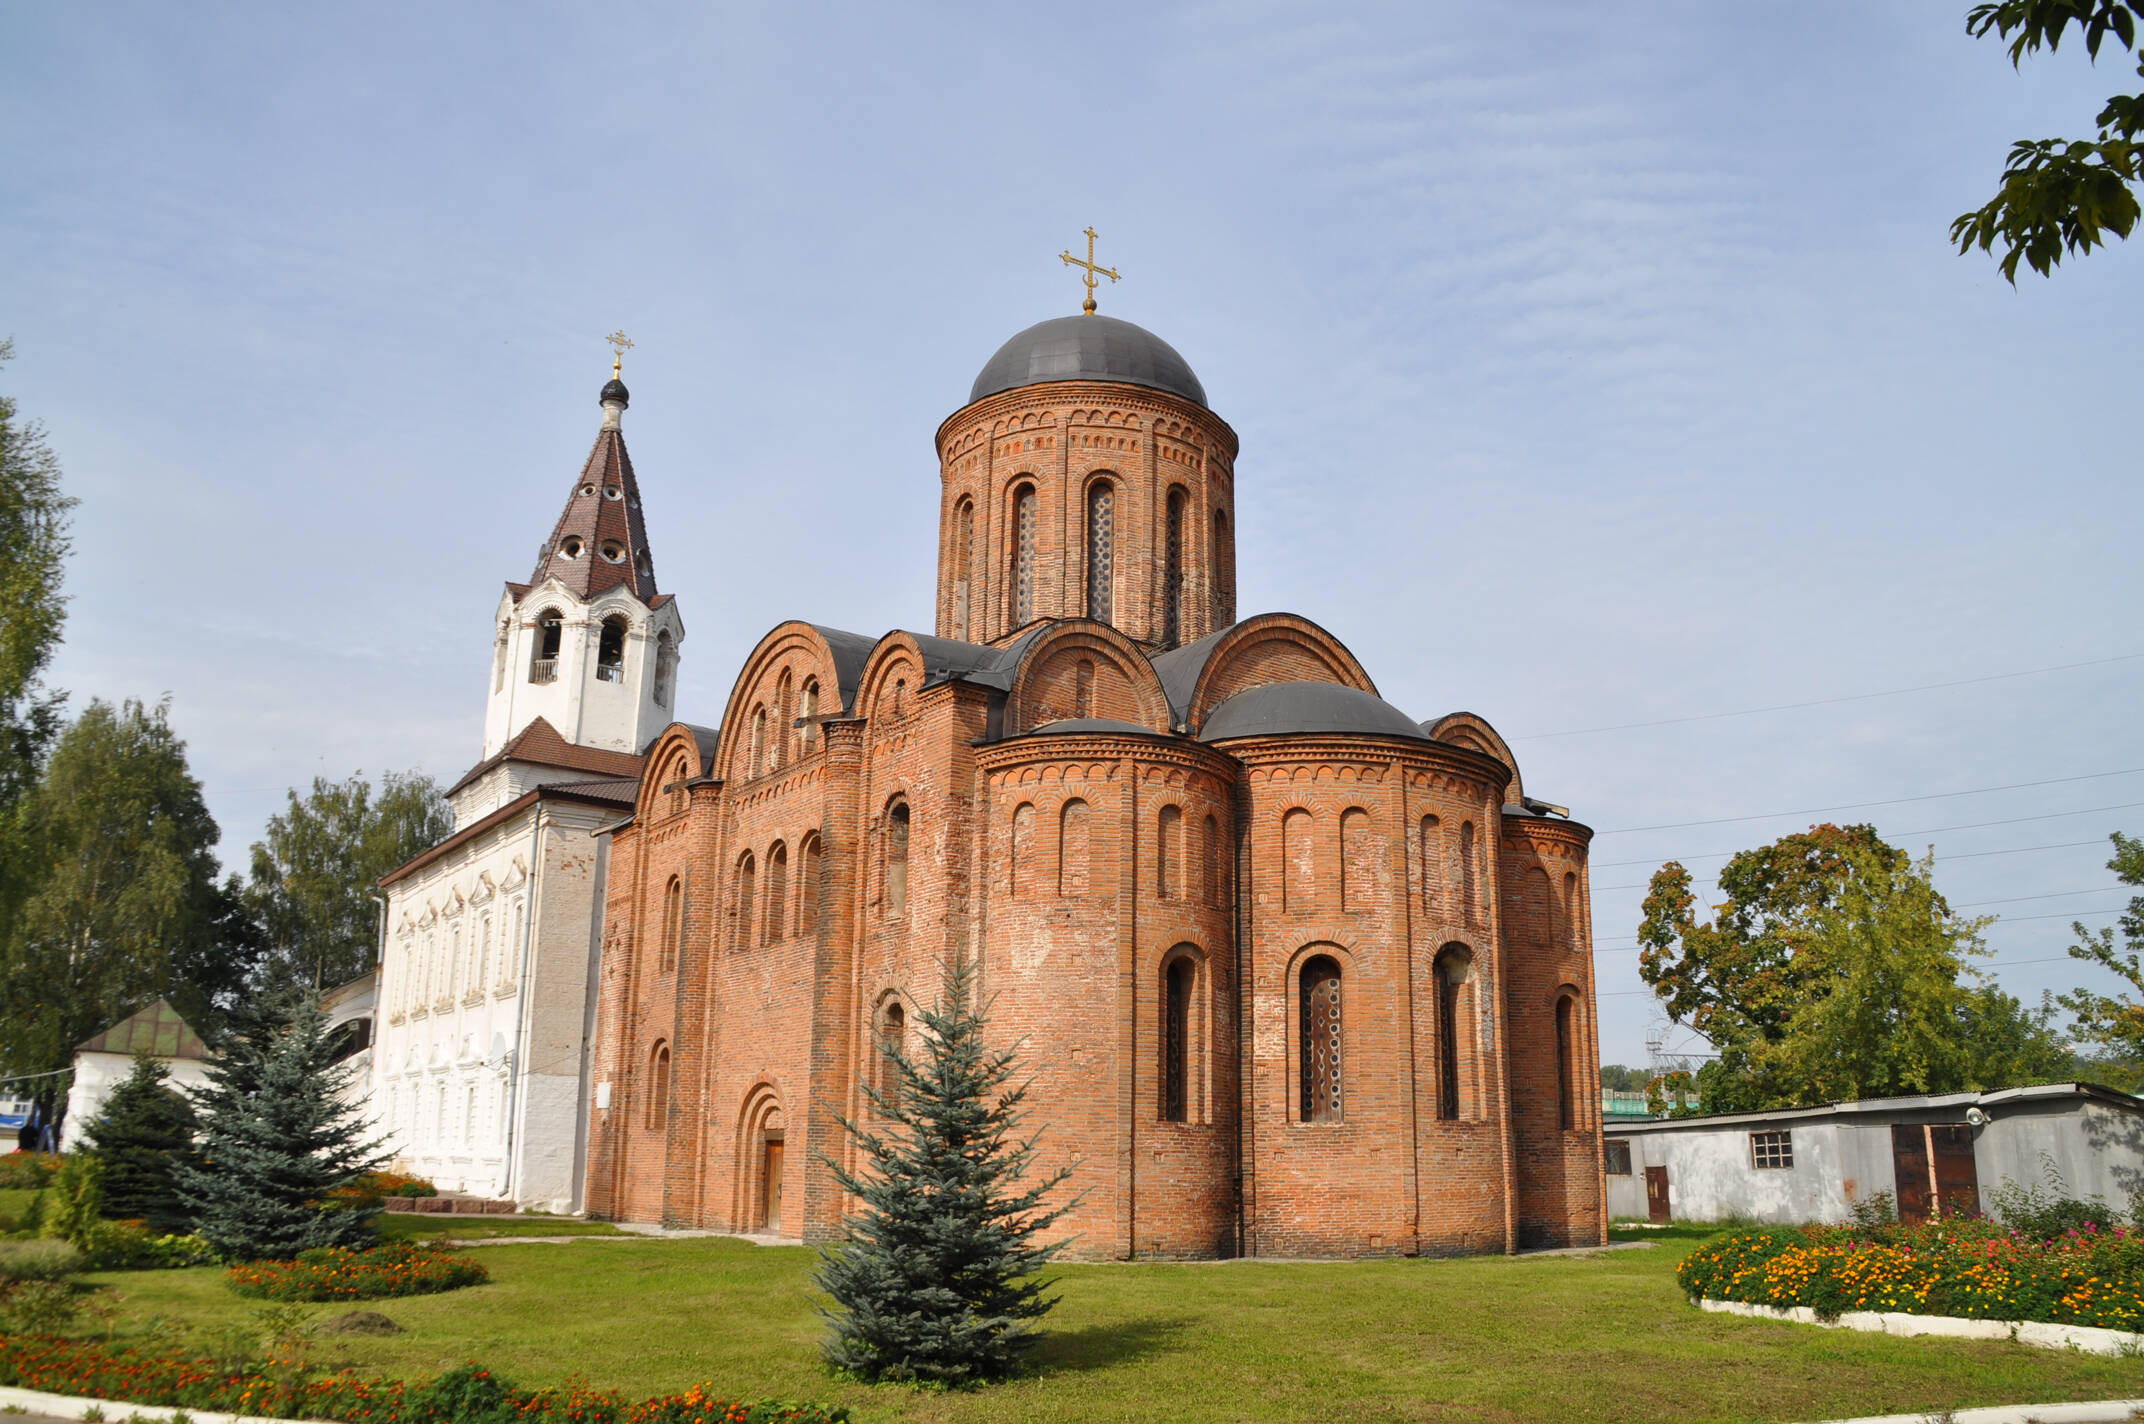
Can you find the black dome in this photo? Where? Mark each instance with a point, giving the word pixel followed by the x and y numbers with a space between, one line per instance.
pixel 614 390
pixel 1292 708
pixel 1088 348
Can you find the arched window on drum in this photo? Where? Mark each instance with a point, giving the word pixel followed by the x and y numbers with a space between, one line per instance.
pixel 1101 551
pixel 1323 1044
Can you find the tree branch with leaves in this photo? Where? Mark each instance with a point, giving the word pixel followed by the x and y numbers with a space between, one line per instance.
pixel 2060 195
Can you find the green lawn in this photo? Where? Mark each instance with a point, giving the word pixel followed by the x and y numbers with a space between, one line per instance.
pixel 1604 1337
pixel 412 1226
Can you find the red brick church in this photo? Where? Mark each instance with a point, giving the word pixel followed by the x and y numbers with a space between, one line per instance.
pixel 1297 974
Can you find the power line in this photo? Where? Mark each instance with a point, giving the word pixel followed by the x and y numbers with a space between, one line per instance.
pixel 1863 805
pixel 2050 895
pixel 2016 850
pixel 1901 835
pixel 2007 920
pixel 1826 701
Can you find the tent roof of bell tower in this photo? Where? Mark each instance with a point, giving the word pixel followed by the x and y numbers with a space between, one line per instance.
pixel 601 540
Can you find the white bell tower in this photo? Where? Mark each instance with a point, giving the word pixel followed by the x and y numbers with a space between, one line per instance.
pixel 588 645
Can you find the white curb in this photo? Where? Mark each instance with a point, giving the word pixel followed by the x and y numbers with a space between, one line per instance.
pixel 2099 1412
pixel 2092 1339
pixel 117 1411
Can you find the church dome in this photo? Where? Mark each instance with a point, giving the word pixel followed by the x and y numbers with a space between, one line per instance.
pixel 1286 708
pixel 1088 348
pixel 614 390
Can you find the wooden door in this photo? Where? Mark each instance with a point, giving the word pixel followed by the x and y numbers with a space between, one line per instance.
pixel 1656 1194
pixel 770 1216
pixel 1909 1164
pixel 1957 1180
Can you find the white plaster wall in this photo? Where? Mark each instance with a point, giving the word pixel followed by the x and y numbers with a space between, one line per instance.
pixel 479 1087
pixel 2099 1150
pixel 96 1074
pixel 1710 1175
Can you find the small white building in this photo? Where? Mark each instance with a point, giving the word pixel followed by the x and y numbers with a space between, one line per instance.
pixel 102 1063
pixel 479 1073
pixel 1814 1164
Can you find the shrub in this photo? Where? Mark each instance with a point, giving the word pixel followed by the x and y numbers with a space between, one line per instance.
pixel 469 1395
pixel 2046 1210
pixel 36 1308
pixel 332 1273
pixel 38 1261
pixel 27 1171
pixel 364 1193
pixel 75 1199
pixel 132 1246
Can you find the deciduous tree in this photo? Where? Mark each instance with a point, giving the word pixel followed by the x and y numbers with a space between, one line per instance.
pixel 2115 1021
pixel 321 859
pixel 125 908
pixel 1834 971
pixel 2060 195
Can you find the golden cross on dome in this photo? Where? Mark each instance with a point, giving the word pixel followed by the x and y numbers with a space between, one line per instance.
pixel 620 343
pixel 1091 273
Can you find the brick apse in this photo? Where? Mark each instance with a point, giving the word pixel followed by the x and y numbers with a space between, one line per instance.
pixel 1297 975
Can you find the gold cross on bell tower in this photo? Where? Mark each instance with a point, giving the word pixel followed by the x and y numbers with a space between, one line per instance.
pixel 1091 273
pixel 620 343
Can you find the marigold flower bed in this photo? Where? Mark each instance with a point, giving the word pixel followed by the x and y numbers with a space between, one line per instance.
pixel 332 1273
pixel 470 1395
pixel 1975 1269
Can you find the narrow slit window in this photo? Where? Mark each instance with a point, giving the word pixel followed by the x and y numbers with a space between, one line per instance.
pixel 1176 1035
pixel 1172 572
pixel 659 1088
pixel 893 1042
pixel 897 862
pixel 1101 551
pixel 777 892
pixel 1023 555
pixel 1321 1041
pixel 1566 1062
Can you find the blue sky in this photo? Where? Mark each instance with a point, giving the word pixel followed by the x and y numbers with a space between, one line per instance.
pixel 1594 365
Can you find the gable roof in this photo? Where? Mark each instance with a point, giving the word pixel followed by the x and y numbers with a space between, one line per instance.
pixel 156 1030
pixel 539 743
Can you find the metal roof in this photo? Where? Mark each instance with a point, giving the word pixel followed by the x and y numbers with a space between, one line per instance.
pixel 1087 348
pixel 157 1030
pixel 1290 708
pixel 1068 726
pixel 1927 1102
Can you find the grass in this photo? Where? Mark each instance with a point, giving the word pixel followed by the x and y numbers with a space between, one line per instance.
pixel 1601 1337
pixel 413 1226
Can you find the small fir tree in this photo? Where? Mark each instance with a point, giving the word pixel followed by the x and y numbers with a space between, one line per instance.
pixel 937 1279
pixel 141 1136
pixel 75 1200
pixel 276 1139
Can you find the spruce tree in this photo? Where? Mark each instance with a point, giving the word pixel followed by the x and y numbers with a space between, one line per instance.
pixel 937 1279
pixel 144 1132
pixel 276 1138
